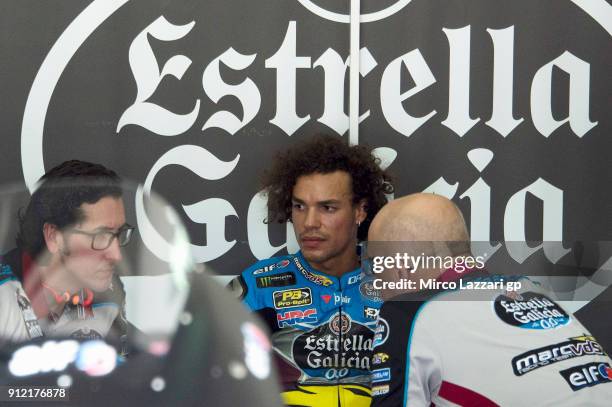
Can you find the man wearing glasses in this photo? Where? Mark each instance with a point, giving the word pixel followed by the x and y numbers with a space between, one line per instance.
pixel 60 281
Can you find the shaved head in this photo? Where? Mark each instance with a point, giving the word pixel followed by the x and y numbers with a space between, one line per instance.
pixel 419 217
pixel 417 225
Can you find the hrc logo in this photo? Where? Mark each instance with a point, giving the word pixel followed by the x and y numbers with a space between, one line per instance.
pixel 291 318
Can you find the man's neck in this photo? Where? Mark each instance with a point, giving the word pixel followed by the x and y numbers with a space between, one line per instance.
pixel 338 265
pixel 41 282
pixel 55 276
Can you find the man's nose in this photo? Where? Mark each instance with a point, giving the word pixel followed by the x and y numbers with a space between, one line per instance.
pixel 312 219
pixel 113 252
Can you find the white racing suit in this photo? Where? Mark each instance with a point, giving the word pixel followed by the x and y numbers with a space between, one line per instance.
pixel 18 321
pixel 486 348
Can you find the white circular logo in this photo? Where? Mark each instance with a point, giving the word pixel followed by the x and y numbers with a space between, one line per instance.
pixel 345 18
pixel 32 129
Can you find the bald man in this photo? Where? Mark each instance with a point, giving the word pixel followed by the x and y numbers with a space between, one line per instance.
pixel 455 346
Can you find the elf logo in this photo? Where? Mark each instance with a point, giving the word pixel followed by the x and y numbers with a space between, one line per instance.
pixel 281 264
pixel 587 375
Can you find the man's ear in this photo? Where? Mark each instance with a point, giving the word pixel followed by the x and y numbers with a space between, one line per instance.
pixel 360 211
pixel 53 238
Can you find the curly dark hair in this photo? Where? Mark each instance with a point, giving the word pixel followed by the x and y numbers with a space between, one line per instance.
pixel 58 199
pixel 326 154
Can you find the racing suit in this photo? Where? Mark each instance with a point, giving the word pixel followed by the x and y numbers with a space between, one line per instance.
pixel 219 357
pixel 21 320
pixel 488 347
pixel 322 329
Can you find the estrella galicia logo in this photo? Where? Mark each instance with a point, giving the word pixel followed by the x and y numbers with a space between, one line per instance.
pixel 532 311
pixel 587 375
pixel 38 117
pixel 367 290
pixel 324 352
pixel 277 280
pixel 547 355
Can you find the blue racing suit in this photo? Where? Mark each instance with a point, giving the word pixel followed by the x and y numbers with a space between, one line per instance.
pixel 322 328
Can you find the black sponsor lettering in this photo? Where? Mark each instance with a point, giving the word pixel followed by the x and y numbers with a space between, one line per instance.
pixel 588 375
pixel 277 280
pixel 548 355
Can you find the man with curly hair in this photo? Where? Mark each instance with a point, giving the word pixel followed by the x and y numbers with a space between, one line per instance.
pixel 322 317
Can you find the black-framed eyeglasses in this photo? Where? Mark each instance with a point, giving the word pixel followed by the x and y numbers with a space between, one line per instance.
pixel 102 240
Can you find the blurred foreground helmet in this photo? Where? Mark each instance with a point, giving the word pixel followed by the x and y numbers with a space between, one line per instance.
pixel 101 305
